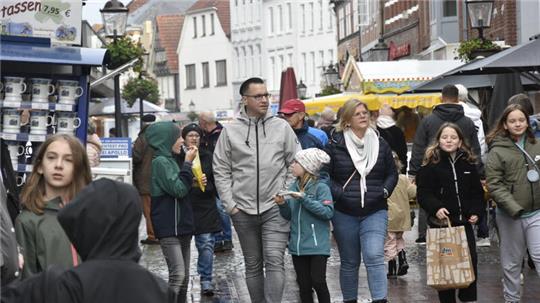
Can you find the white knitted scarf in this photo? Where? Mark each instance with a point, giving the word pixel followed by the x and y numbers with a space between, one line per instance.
pixel 385 122
pixel 364 153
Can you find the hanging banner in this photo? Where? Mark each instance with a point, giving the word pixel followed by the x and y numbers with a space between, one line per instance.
pixel 55 19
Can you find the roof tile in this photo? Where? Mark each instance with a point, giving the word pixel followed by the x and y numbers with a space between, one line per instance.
pixel 169 29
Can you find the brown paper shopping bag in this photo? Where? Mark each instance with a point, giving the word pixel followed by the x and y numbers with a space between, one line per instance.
pixel 448 259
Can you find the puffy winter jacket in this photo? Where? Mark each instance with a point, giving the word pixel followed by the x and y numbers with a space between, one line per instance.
pixel 429 126
pixel 436 188
pixel 310 219
pixel 311 137
pixel 506 175
pixel 384 175
pixel 171 215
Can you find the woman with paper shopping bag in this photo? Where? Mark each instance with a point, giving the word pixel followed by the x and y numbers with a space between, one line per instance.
pixel 512 174
pixel 450 192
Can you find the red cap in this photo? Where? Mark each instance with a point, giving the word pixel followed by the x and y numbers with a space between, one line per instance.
pixel 293 106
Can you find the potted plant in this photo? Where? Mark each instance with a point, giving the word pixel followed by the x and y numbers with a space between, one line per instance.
pixel 471 49
pixel 144 88
pixel 122 51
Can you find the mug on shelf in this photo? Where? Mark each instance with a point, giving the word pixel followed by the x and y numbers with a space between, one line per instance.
pixel 67 122
pixel 14 87
pixel 39 121
pixel 15 151
pixel 42 89
pixel 12 121
pixel 69 91
pixel 21 178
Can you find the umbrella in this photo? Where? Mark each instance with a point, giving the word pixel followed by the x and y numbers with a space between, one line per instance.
pixel 506 85
pixel 469 81
pixel 105 106
pixel 287 90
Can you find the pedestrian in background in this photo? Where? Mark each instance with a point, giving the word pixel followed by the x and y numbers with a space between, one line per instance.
pixel 392 134
pixel 525 102
pixel 449 188
pixel 362 176
pixel 251 163
pixel 211 131
pixel 93 144
pixel 142 177
pixel 399 221
pixel 205 214
pixel 513 181
pixel 60 170
pixel 327 118
pixel 172 215
pixel 294 112
pixel 309 208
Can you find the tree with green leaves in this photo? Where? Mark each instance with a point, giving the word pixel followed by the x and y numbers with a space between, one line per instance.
pixel 144 88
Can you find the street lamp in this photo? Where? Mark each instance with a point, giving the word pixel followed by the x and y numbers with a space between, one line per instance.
pixel 380 51
pixel 301 90
pixel 145 57
pixel 114 16
pixel 480 12
pixel 192 115
pixel 331 75
pixel 191 106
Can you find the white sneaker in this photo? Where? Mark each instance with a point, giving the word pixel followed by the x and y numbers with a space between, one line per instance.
pixel 483 242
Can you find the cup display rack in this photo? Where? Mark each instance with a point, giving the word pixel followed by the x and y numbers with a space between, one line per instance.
pixel 37 105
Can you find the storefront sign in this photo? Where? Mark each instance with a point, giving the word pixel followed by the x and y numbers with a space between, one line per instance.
pixel 55 19
pixel 115 147
pixel 398 51
pixel 382 87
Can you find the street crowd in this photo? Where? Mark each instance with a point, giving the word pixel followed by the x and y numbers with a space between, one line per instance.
pixel 283 184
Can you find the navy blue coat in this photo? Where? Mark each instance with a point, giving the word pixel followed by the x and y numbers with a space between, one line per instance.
pixel 384 175
pixel 307 139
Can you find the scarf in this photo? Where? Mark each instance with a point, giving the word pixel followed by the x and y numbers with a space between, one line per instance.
pixel 364 153
pixel 385 122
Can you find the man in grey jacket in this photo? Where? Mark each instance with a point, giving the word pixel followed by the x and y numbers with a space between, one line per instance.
pixel 251 163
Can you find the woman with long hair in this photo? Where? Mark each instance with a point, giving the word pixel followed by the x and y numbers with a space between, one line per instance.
pixel 449 188
pixel 362 176
pixel 512 175
pixel 60 171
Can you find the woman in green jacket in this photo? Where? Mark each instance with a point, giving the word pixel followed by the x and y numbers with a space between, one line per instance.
pixel 512 173
pixel 61 169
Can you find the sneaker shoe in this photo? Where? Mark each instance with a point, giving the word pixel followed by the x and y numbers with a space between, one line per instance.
pixel 150 241
pixel 218 247
pixel 227 245
pixel 483 242
pixel 206 288
pixel 420 240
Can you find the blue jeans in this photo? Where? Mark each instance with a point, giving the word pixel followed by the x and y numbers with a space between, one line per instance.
pixel 226 233
pixel 205 261
pixel 357 237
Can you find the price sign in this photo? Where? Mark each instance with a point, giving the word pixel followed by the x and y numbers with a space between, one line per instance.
pixel 64 107
pixel 7 136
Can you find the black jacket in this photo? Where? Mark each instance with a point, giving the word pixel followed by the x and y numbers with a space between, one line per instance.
pixel 208 140
pixel 395 137
pixel 429 126
pixel 205 213
pixel 436 188
pixel 384 175
pixel 8 176
pixel 102 223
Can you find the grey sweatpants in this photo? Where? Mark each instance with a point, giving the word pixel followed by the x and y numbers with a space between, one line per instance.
pixel 516 235
pixel 263 239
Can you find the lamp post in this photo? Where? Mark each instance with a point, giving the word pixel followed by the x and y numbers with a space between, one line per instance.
pixel 301 90
pixel 331 75
pixel 141 98
pixel 114 16
pixel 480 12
pixel 192 115
pixel 379 52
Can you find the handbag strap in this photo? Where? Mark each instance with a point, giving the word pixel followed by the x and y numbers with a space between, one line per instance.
pixel 349 180
pixel 448 220
pixel 527 155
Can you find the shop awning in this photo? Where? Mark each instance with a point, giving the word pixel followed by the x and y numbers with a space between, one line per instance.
pixel 334 102
pixel 36 51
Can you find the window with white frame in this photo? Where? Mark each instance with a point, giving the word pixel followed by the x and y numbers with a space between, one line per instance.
pixel 249 67
pixel 341 23
pixel 354 15
pixel 281 62
pixel 311 17
pixel 321 17
pixel 347 19
pixel 194 27
pixel 221 72
pixel 252 61
pixel 259 65
pixel 313 68
pixel 321 58
pixel 191 79
pixel 203 21
pixel 205 75
pixel 271 20
pixel 237 63
pixel 331 55
pixel 303 25
pixel 280 20
pixel 363 12
pixel 304 66
pixel 331 18
pixel 212 24
pixel 273 71
pixel 289 14
pixel 244 62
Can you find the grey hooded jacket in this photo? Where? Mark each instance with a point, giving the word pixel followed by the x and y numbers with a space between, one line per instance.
pixel 251 161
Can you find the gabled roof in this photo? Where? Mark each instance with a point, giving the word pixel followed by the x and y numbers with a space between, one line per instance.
pixel 223 12
pixel 135 4
pixel 169 30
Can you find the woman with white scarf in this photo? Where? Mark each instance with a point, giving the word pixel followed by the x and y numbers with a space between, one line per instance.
pixel 362 176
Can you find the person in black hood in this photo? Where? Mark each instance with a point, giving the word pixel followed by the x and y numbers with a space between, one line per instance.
pixel 102 222
pixel 449 111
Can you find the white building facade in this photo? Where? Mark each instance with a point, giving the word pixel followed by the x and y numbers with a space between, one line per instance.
pixel 269 36
pixel 204 60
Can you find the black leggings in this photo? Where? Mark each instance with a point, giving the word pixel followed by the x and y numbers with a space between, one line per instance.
pixel 311 274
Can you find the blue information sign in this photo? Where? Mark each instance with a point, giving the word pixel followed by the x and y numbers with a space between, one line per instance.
pixel 115 147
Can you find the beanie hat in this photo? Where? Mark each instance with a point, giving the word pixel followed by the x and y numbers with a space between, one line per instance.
pixel 312 159
pixel 191 127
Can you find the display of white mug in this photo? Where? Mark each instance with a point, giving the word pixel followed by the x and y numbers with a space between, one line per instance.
pixel 20 179
pixel 15 150
pixel 14 87
pixel 67 122
pixel 69 91
pixel 12 121
pixel 42 89
pixel 39 121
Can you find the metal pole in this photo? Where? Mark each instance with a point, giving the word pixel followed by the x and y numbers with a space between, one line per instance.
pixel 117 100
pixel 141 113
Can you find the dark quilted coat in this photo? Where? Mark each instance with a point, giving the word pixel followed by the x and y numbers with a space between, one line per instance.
pixel 383 175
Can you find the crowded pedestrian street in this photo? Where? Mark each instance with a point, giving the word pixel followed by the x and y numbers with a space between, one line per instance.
pixel 231 287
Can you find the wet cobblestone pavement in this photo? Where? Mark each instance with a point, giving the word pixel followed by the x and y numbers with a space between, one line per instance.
pixel 230 284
